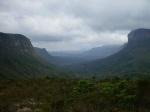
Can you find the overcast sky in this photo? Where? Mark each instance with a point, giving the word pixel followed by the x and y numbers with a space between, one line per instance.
pixel 74 24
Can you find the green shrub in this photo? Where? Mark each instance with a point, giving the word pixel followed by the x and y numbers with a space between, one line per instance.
pixel 83 86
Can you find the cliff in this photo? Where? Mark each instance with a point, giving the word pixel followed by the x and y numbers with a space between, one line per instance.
pixel 139 37
pixel 15 44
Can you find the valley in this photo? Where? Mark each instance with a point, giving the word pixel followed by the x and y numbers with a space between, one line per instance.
pixel 66 58
pixel 32 80
pixel 74 56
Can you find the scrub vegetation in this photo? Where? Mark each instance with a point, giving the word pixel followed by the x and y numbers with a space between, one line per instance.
pixel 74 95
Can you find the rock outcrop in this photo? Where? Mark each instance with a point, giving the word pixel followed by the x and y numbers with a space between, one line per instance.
pixel 15 44
pixel 139 37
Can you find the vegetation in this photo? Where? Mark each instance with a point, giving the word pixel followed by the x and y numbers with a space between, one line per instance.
pixel 18 59
pixel 132 61
pixel 29 67
pixel 127 63
pixel 74 95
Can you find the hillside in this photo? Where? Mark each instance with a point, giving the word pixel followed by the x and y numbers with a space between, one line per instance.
pixel 18 59
pixel 100 52
pixel 132 61
pixel 42 52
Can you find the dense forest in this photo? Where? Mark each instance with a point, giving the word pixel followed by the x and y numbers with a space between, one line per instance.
pixel 74 95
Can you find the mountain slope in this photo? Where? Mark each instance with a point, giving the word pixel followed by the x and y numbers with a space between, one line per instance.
pixel 18 59
pixel 131 61
pixel 41 52
pixel 100 52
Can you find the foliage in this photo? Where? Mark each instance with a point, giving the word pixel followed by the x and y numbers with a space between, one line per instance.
pixel 83 86
pixel 73 95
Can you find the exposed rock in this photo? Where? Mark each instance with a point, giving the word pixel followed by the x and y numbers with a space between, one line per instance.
pixel 15 44
pixel 25 109
pixel 139 37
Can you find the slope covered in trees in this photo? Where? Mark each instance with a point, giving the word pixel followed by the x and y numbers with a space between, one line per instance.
pixel 132 61
pixel 18 59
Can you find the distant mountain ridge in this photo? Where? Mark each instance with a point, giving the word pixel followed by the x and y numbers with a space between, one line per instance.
pixel 42 52
pixel 132 61
pixel 57 60
pixel 68 58
pixel 91 54
pixel 101 52
pixel 18 59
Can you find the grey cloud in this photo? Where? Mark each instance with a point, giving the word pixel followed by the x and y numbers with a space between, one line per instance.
pixel 50 38
pixel 74 24
pixel 114 15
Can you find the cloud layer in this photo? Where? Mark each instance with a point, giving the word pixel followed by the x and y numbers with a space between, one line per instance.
pixel 74 24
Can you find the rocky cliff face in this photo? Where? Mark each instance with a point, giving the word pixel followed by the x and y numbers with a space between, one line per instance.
pixel 139 37
pixel 15 44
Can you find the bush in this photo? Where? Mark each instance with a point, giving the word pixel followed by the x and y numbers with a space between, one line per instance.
pixel 143 93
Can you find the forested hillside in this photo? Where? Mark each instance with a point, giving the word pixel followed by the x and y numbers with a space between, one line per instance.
pixel 18 59
pixel 132 61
